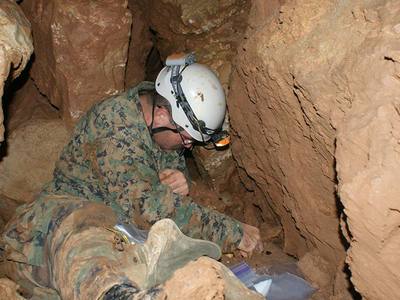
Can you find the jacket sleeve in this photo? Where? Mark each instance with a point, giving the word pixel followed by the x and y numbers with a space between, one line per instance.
pixel 129 172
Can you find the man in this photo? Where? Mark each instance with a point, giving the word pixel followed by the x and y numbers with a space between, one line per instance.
pixel 123 154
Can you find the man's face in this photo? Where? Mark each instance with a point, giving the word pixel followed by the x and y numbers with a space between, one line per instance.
pixel 168 139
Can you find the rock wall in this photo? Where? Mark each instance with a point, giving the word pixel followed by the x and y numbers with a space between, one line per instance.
pixel 15 46
pixel 36 135
pixel 368 154
pixel 314 78
pixel 313 100
pixel 140 44
pixel 9 290
pixel 81 51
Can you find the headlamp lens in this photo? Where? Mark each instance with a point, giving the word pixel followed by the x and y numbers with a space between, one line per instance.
pixel 221 139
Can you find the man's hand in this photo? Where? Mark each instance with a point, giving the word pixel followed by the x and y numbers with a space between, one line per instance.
pixel 176 180
pixel 251 240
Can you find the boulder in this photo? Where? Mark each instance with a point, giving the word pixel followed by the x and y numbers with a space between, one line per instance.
pixel 81 51
pixel 36 136
pixel 15 46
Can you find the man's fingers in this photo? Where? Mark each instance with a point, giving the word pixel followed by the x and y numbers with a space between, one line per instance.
pixel 182 190
pixel 176 180
pixel 259 247
pixel 165 173
pixel 243 253
pixel 168 180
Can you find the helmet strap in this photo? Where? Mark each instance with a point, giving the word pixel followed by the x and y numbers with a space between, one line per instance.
pixel 162 129
pixel 153 107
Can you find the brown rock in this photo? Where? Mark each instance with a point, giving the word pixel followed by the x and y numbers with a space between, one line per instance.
pixel 8 290
pixel 284 140
pixel 197 280
pixel 317 271
pixel 81 51
pixel 7 209
pixel 206 278
pixel 15 46
pixel 318 75
pixel 32 152
pixel 140 45
pixel 36 136
pixel 368 159
pixel 27 104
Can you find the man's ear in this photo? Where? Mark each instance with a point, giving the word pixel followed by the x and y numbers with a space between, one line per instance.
pixel 162 116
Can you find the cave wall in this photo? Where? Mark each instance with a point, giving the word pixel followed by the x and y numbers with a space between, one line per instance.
pixel 35 136
pixel 15 47
pixel 81 51
pixel 313 100
pixel 140 45
pixel 313 83
pixel 368 156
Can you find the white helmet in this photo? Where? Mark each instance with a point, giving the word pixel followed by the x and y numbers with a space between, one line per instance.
pixel 196 96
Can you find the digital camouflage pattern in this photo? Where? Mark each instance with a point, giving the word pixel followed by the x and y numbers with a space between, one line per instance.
pixel 81 259
pixel 112 160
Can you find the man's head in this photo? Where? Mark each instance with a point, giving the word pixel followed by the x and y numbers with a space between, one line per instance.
pixel 196 97
pixel 165 132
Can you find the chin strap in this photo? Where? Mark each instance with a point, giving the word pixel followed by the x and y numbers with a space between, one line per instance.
pixel 161 129
pixel 158 129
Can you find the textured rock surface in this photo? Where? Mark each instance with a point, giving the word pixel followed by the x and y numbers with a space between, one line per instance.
pixel 206 279
pixel 140 45
pixel 284 141
pixel 368 155
pixel 8 290
pixel 36 136
pixel 25 169
pixel 313 72
pixel 210 28
pixel 15 46
pixel 81 50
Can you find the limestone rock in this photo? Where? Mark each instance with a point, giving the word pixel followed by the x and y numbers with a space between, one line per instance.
pixel 316 270
pixel 315 76
pixel 368 156
pixel 15 46
pixel 206 279
pixel 36 136
pixel 8 290
pixel 280 116
pixel 140 45
pixel 33 149
pixel 7 210
pixel 81 51
pixel 210 28
pixel 28 104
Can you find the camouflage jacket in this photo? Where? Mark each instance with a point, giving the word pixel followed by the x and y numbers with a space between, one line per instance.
pixel 112 158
